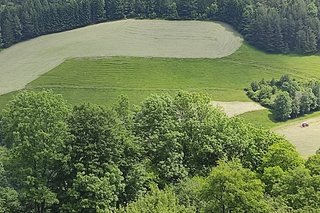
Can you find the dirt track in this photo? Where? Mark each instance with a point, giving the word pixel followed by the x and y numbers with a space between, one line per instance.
pixel 24 62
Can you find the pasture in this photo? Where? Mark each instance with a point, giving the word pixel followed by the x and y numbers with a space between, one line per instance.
pixel 102 79
pixel 24 62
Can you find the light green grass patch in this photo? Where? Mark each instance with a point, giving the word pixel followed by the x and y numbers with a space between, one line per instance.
pixel 265 119
pixel 102 80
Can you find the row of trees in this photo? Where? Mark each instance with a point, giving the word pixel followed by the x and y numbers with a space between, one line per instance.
pixel 157 157
pixel 287 97
pixel 274 26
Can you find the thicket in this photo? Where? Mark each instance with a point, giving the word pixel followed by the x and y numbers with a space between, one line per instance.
pixel 274 26
pixel 287 97
pixel 171 154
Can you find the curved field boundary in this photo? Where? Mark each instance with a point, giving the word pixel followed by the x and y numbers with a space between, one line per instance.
pixel 24 62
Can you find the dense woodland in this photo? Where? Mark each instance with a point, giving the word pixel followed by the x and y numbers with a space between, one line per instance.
pixel 287 97
pixel 170 154
pixel 281 26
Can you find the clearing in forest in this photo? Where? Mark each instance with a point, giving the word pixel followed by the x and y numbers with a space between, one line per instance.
pixel 306 139
pixel 24 62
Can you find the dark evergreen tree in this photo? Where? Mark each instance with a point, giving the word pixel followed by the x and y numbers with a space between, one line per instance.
pixel 1 41
pixel 274 26
pixel 97 11
pixel 7 31
pixel 28 29
pixel 85 13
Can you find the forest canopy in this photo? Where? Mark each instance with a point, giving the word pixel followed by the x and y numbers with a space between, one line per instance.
pixel 170 154
pixel 286 26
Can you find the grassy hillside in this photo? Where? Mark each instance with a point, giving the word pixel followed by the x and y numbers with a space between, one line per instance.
pixel 102 80
pixel 24 62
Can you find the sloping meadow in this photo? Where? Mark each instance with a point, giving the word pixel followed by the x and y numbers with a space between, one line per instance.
pixel 25 61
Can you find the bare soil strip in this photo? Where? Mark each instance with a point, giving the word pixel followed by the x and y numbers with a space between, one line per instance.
pixel 237 108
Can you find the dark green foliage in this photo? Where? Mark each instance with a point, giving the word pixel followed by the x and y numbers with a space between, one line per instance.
pixel 35 132
pixel 92 159
pixel 277 26
pixel 104 155
pixel 164 156
pixel 97 11
pixel 287 97
pixel 184 136
pixel 313 164
pixel 282 106
pixel 1 40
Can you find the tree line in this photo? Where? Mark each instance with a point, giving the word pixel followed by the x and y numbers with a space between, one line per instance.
pixel 287 97
pixel 275 26
pixel 170 154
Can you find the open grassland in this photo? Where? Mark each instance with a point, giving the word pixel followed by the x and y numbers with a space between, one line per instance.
pixel 102 80
pixel 25 61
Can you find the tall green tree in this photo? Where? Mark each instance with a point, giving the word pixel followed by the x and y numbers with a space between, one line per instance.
pixel 299 190
pixel 97 11
pixel 232 188
pixel 28 28
pixel 95 152
pixel 157 127
pixel 1 40
pixel 105 165
pixel 35 132
pixel 7 30
pixel 282 106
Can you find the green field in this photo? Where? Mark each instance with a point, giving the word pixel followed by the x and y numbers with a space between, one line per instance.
pixel 265 119
pixel 25 61
pixel 102 80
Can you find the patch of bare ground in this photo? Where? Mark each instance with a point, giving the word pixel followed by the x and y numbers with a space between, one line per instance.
pixel 237 108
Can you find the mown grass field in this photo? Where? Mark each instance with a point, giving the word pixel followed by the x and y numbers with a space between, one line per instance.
pixel 25 61
pixel 102 80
